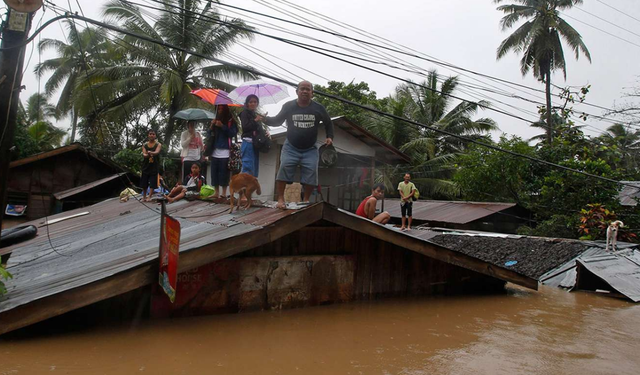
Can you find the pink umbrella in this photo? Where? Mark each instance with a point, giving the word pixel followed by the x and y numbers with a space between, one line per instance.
pixel 268 92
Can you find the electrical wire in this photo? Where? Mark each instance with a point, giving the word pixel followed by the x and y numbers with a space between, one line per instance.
pixel 609 22
pixel 345 101
pixel 618 10
pixel 436 61
pixel 313 49
pixel 601 30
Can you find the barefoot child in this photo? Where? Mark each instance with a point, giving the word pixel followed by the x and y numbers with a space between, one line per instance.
pixel 191 186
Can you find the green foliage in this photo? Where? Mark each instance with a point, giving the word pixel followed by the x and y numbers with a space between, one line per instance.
pixel 156 77
pixel 130 159
pixel 23 143
pixel 486 174
pixel 46 136
pixel 556 226
pixel 4 274
pixel 356 92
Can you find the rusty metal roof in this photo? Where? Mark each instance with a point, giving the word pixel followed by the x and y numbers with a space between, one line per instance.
pixel 63 150
pixel 455 212
pixel 114 237
pixel 79 189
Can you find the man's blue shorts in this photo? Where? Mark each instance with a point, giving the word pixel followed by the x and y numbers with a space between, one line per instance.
pixel 291 158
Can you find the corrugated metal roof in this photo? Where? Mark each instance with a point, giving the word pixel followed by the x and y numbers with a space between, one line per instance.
pixel 564 276
pixel 115 237
pixel 628 194
pixel 447 211
pixel 620 271
pixel 79 189
pixel 62 150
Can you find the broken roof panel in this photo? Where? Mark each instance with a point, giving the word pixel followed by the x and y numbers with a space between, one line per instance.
pixel 621 271
pixel 628 195
pixel 79 189
pixel 455 212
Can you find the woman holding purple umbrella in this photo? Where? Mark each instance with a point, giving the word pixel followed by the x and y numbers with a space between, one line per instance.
pixel 250 125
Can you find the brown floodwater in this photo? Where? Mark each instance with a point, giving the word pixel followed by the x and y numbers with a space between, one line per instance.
pixel 520 332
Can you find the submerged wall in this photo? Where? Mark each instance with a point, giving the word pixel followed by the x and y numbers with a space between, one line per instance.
pixel 315 266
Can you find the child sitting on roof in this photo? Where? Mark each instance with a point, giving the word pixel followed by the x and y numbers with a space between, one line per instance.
pixel 191 187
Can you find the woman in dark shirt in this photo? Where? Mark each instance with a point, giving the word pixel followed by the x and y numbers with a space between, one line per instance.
pixel 250 125
pixel 220 132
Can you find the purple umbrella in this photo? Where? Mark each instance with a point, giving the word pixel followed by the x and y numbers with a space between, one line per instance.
pixel 268 92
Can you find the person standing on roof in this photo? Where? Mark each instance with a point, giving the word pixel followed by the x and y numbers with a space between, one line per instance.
pixel 221 131
pixel 367 207
pixel 303 117
pixel 151 153
pixel 250 126
pixel 407 191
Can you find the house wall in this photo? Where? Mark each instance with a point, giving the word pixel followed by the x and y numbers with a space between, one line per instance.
pixel 329 178
pixel 314 266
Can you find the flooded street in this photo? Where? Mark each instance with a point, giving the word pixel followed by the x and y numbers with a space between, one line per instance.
pixel 522 332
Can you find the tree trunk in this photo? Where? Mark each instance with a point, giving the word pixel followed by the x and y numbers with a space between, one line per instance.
pixel 74 124
pixel 549 111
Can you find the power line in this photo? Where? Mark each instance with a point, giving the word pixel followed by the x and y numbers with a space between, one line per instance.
pixel 617 10
pixel 599 29
pixel 428 58
pixel 379 112
pixel 609 22
pixel 309 47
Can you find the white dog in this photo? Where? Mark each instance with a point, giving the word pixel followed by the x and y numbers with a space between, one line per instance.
pixel 612 234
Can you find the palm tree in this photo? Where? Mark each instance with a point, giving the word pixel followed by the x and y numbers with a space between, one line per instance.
pixel 82 50
pixel 433 153
pixel 46 136
pixel 433 106
pixel 36 116
pixel 539 38
pixel 158 76
pixel 39 109
pixel 627 143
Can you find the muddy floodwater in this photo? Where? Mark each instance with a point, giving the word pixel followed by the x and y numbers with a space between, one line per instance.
pixel 521 332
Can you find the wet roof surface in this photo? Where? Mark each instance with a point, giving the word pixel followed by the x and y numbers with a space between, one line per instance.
pixel 112 238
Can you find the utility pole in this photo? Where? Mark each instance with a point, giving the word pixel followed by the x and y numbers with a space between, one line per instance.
pixel 14 34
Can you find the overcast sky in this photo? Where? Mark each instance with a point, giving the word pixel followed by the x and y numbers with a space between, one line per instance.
pixel 464 33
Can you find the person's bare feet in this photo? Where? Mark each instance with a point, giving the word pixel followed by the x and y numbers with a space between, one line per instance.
pixel 408 228
pixel 281 205
pixel 403 228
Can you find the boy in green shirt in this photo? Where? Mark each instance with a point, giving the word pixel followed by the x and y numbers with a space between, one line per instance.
pixel 407 189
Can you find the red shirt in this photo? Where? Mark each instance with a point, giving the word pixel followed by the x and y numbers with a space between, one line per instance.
pixel 360 211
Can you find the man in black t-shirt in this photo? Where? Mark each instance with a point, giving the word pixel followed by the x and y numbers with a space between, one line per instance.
pixel 303 117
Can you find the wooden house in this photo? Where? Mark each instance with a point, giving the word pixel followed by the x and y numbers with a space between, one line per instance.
pixel 62 179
